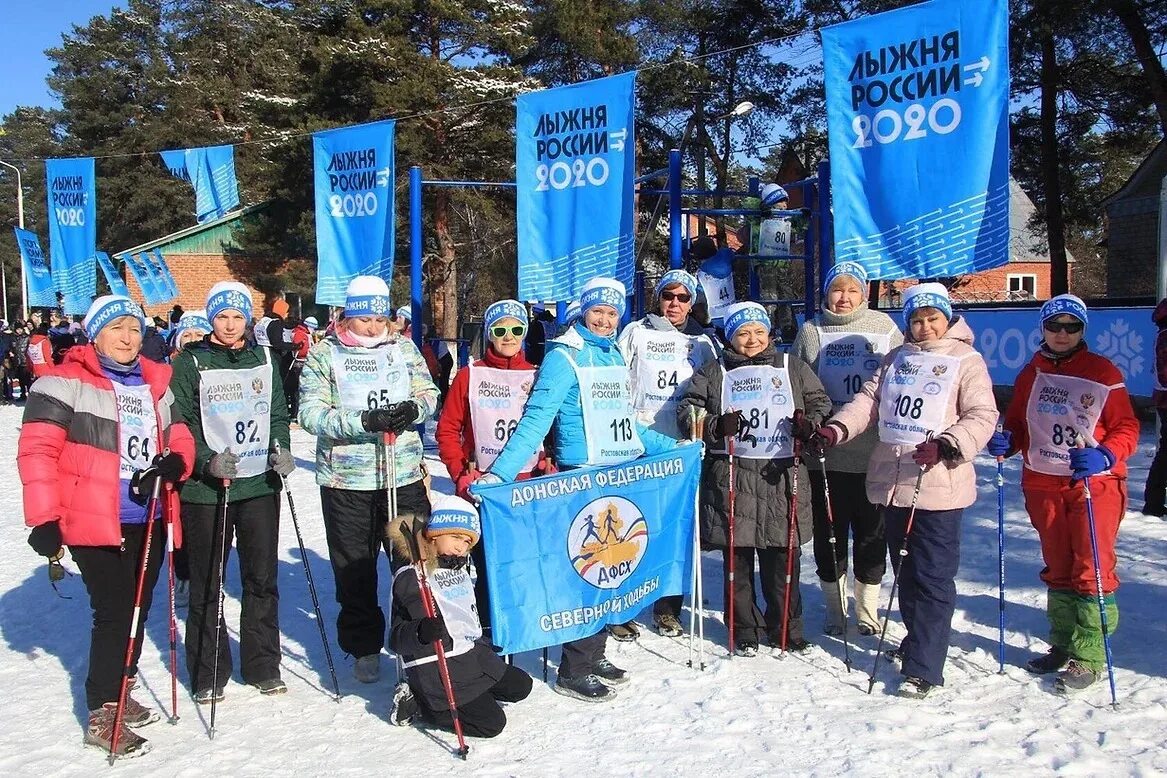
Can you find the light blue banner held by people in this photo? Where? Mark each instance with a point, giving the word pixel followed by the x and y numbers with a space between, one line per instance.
pixel 353 170
pixel 41 293
pixel 918 122
pixel 211 171
pixel 575 154
pixel 72 195
pixel 116 284
pixel 569 553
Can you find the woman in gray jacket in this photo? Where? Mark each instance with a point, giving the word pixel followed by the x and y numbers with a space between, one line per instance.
pixel 845 345
pixel 751 395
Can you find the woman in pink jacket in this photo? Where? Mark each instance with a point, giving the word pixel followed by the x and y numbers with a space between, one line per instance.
pixel 932 403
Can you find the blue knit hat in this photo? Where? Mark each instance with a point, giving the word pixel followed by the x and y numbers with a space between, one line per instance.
pixel 744 313
pixel 677 276
pixel 193 320
pixel 603 291
pixel 853 269
pixel 504 309
pixel 1065 303
pixel 228 296
pixel 367 296
pixel 405 312
pixel 930 295
pixel 106 309
pixel 451 515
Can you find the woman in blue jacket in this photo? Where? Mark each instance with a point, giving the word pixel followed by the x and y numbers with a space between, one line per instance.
pixel 583 391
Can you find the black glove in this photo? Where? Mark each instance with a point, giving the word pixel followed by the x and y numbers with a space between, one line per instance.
pixel 728 425
pixel 433 628
pixel 377 421
pixel 168 467
pixel 802 428
pixel 45 539
pixel 403 414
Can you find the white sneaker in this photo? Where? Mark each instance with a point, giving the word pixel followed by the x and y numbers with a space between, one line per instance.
pixel 368 668
pixel 181 593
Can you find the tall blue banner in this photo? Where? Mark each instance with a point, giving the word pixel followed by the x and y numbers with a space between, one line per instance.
pixel 569 553
pixel 162 291
pixel 72 194
pixel 116 284
pixel 353 173
pixel 918 120
pixel 575 156
pixel 41 293
pixel 211 171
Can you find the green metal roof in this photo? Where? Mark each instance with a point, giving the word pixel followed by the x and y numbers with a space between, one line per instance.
pixel 213 237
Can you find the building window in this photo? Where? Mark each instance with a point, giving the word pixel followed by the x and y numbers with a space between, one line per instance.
pixel 1022 286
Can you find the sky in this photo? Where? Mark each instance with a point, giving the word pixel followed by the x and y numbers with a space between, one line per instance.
pixel 29 28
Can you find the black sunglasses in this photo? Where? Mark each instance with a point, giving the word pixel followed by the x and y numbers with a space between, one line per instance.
pixel 1072 327
pixel 682 297
pixel 518 330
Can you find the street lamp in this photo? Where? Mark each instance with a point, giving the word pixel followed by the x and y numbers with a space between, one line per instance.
pixel 3 274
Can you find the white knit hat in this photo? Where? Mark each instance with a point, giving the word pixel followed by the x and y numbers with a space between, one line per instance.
pixel 108 308
pixel 367 296
pixel 603 291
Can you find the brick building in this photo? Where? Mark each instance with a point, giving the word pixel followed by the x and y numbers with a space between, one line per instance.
pixel 1132 229
pixel 200 256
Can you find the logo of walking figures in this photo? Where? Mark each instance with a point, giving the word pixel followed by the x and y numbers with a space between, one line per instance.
pixel 606 541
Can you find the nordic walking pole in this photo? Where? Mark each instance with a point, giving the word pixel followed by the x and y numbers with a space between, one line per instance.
pixel 1001 561
pixel 730 556
pixel 311 583
pixel 793 524
pixel 838 578
pixel 427 600
pixel 173 626
pixel 390 440
pixel 1098 584
pixel 219 613
pixel 135 619
pixel 895 579
pixel 695 610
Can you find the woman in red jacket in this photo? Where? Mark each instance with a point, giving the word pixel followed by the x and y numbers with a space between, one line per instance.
pixel 482 409
pixel 97 433
pixel 40 352
pixel 1064 398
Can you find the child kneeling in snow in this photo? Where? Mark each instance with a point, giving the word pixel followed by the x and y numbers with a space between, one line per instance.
pixel 438 551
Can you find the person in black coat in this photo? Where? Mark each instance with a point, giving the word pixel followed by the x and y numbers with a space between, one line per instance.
pixel 480 679
pixel 751 396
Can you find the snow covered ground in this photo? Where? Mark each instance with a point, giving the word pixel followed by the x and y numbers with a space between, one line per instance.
pixel 741 717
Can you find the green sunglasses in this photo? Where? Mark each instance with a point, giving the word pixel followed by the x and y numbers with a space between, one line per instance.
pixel 517 330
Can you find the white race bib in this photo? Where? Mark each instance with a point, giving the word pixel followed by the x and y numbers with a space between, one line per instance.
pixel 497 398
pixel 847 360
pixel 774 237
pixel 1061 409
pixel 35 355
pixel 454 598
pixel 916 389
pixel 763 394
pixel 718 293
pixel 370 379
pixel 605 395
pixel 137 428
pixel 235 408
pixel 662 365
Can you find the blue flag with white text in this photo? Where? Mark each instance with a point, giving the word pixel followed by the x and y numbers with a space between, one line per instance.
pixel 151 291
pixel 571 552
pixel 163 292
pixel 575 158
pixel 41 293
pixel 163 269
pixel 116 284
pixel 918 121
pixel 72 196
pixel 353 175
pixel 211 171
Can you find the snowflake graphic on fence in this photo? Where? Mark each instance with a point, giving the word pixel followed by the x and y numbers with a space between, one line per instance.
pixel 1122 346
